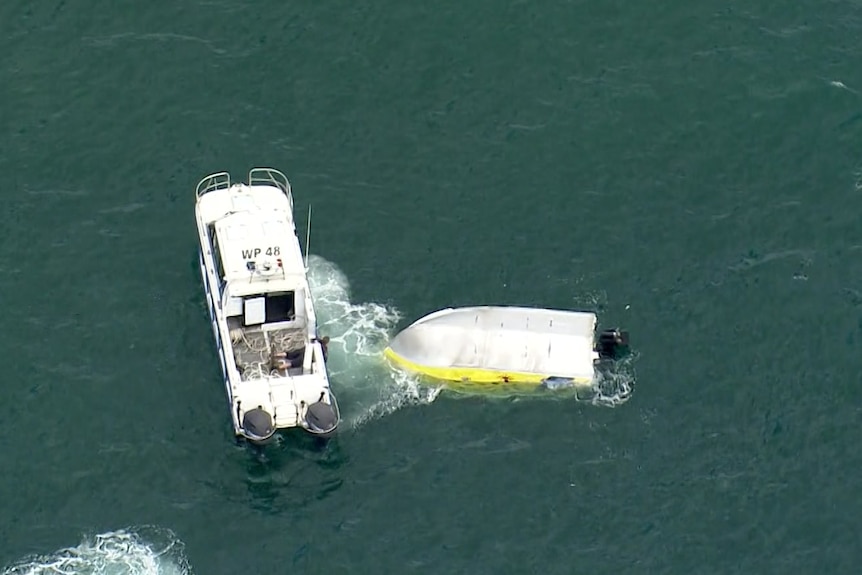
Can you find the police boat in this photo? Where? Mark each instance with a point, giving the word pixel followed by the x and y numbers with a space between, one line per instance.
pixel 261 307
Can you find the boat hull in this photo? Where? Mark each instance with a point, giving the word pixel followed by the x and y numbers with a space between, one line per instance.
pixel 216 331
pixel 477 376
pixel 494 346
pixel 261 309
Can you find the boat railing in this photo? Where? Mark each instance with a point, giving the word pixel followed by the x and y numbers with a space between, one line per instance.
pixel 217 181
pixel 271 177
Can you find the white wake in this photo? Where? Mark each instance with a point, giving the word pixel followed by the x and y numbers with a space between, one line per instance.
pixel 142 551
pixel 365 385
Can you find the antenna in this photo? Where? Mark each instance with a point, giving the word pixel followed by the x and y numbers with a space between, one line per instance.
pixel 307 237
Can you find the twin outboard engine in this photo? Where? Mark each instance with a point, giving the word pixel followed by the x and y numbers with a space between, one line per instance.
pixel 613 344
pixel 257 424
pixel 321 418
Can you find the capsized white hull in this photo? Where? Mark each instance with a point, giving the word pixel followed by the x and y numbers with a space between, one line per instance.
pixel 488 345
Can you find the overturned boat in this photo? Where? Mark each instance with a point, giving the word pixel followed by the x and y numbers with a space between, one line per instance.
pixel 492 345
pixel 261 307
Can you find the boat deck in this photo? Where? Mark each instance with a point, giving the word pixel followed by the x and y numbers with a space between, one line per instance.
pixel 256 351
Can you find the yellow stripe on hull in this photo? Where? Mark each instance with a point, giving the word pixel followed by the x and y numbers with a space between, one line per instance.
pixel 472 375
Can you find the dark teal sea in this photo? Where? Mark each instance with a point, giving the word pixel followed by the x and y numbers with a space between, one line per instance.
pixel 691 171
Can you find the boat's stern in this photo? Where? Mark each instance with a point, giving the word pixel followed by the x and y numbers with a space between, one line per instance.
pixel 258 424
pixel 317 407
pixel 612 344
pixel 265 406
pixel 322 417
pixel 255 413
pixel 319 414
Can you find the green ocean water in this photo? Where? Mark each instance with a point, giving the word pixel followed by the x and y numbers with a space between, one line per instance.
pixel 690 171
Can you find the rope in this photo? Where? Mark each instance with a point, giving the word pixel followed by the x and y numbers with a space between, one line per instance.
pixel 285 340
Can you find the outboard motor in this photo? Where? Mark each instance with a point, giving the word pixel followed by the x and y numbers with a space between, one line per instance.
pixel 321 418
pixel 257 424
pixel 613 344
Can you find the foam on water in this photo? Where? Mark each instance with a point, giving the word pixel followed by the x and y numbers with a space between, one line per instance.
pixel 612 386
pixel 139 551
pixel 365 385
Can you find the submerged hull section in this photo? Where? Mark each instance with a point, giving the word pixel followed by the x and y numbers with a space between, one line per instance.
pixel 492 345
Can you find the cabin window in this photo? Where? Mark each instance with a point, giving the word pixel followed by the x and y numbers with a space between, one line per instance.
pixel 280 307
pixel 217 258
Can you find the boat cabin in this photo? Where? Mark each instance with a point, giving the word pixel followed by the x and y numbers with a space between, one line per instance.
pixel 262 288
pixel 253 261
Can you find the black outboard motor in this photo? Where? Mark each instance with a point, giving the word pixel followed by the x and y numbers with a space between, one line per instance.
pixel 257 424
pixel 613 344
pixel 321 418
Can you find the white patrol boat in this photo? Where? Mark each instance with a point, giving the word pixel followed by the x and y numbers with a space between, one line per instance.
pixel 261 307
